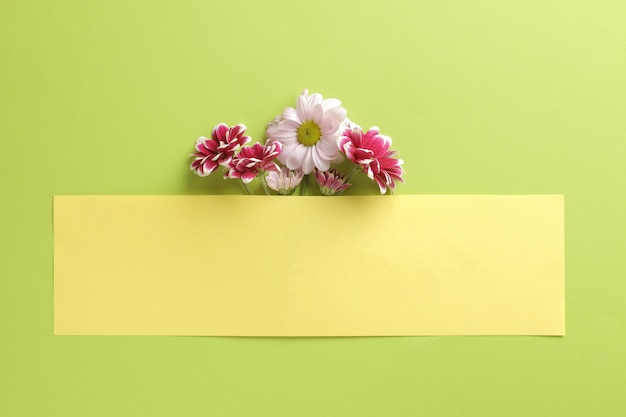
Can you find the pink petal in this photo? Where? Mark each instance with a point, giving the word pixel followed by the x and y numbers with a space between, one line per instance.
pixel 248 176
pixel 381 186
pixel 319 177
pixel 236 131
pixel 219 132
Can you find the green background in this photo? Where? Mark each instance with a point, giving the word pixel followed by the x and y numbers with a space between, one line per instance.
pixel 502 97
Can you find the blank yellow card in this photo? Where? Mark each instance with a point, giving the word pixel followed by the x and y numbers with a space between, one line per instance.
pixel 309 266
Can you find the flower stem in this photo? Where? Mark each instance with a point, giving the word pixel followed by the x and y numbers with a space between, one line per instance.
pixel 352 174
pixel 264 184
pixel 245 187
pixel 303 184
pixel 349 177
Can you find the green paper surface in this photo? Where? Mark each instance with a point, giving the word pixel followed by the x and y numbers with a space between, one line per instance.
pixel 480 97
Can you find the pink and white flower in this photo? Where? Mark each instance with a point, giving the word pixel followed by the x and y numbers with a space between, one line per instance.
pixel 371 152
pixel 284 181
pixel 331 182
pixel 309 132
pixel 219 150
pixel 252 160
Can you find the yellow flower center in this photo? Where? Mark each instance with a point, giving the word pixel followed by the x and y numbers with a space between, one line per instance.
pixel 309 133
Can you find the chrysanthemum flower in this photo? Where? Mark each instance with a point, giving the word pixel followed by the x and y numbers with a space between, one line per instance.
pixel 331 182
pixel 284 181
pixel 252 160
pixel 371 152
pixel 218 150
pixel 309 132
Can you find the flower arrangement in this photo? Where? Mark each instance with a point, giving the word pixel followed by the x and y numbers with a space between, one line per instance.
pixel 308 140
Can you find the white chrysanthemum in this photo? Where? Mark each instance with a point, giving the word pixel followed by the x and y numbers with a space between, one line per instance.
pixel 284 181
pixel 309 132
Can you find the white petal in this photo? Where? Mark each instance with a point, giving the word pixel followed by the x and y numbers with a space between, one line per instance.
pixel 317 114
pixel 292 124
pixel 307 161
pixel 339 113
pixel 291 114
pixel 320 162
pixel 294 159
pixel 330 130
pixel 288 149
pixel 331 103
pixel 282 135
pixel 303 108
pixel 270 180
pixel 327 148
pixel 315 99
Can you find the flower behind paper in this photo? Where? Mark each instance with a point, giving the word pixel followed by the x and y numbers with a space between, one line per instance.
pixel 331 182
pixel 253 160
pixel 284 181
pixel 371 152
pixel 219 149
pixel 309 132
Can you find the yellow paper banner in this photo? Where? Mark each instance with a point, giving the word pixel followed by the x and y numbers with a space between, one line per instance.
pixel 309 266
